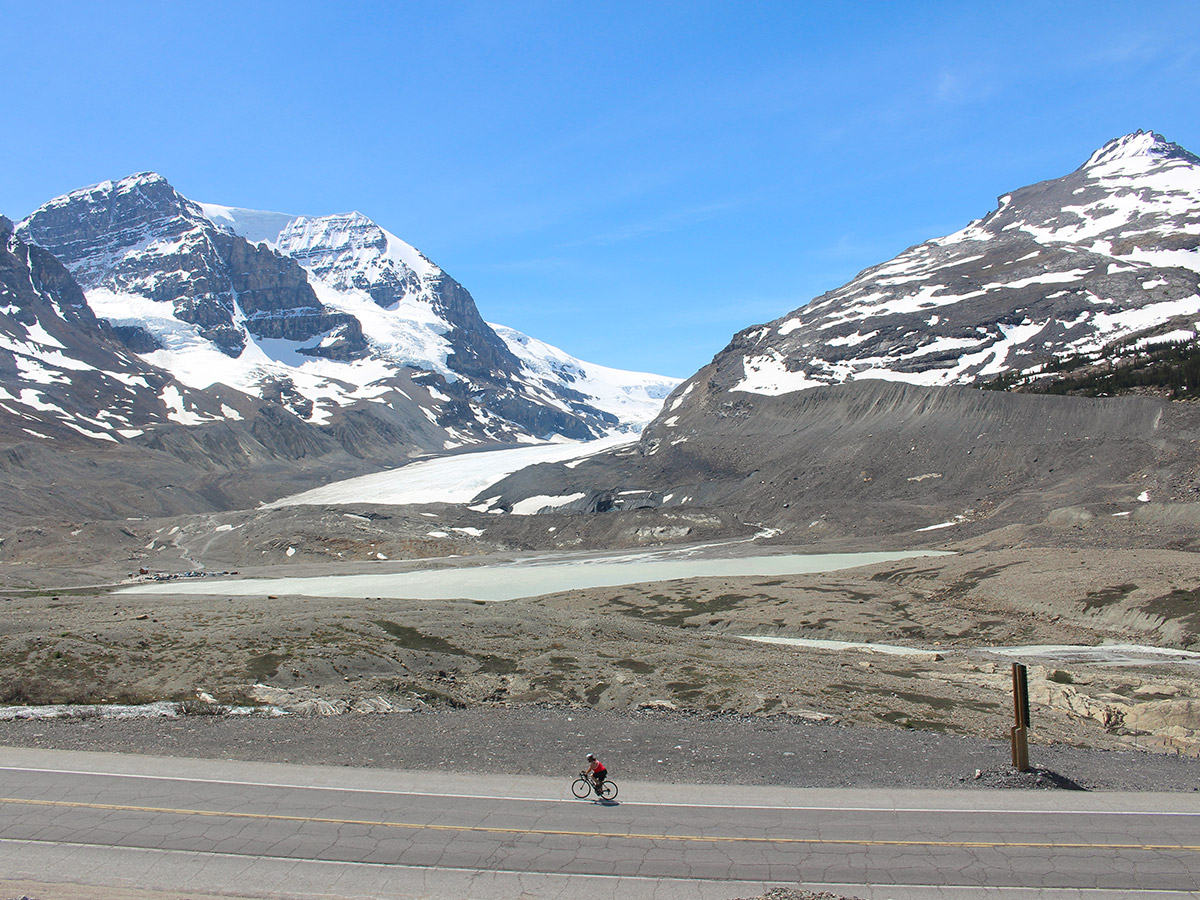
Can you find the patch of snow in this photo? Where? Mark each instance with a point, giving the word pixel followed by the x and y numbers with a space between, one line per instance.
pixel 789 326
pixel 176 411
pixel 95 435
pixel 255 225
pixel 853 340
pixel 1044 278
pixel 1110 654
pixel 769 375
pixel 683 395
pixel 533 505
pixel 1175 336
pixel 818 644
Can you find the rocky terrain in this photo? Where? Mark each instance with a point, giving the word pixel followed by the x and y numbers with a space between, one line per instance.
pixel 870 460
pixel 669 645
pixel 856 423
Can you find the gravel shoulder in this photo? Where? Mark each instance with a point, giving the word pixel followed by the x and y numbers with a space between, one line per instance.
pixel 651 745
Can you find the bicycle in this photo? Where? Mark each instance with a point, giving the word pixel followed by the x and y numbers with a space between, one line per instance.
pixel 582 786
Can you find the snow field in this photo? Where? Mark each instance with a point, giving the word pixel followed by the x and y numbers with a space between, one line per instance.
pixel 450 479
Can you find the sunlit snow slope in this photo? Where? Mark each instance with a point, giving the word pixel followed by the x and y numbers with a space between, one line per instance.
pixel 450 479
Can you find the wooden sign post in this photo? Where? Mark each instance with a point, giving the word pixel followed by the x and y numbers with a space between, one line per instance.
pixel 1020 731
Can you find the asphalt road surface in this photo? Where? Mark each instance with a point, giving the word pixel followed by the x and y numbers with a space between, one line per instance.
pixel 116 822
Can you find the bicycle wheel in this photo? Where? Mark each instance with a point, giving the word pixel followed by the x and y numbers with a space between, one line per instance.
pixel 581 788
pixel 608 790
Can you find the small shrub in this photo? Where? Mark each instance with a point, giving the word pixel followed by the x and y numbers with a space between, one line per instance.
pixel 19 692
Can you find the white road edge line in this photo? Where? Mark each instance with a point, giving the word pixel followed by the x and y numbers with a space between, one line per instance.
pixel 899 886
pixel 449 796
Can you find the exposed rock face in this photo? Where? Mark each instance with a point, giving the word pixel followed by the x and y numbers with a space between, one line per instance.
pixel 139 236
pixel 1068 266
pixel 351 251
pixel 63 372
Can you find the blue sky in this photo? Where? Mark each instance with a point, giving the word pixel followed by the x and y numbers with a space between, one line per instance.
pixel 633 182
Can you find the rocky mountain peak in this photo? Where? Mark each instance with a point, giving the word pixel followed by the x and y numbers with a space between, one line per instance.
pixel 349 250
pixel 93 228
pixel 1139 145
pixel 138 239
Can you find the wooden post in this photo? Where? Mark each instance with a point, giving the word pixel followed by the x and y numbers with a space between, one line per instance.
pixel 1020 731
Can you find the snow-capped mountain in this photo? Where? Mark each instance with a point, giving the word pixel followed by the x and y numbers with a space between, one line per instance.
pixel 320 314
pixel 1106 254
pixel 63 372
pixel 139 240
pixel 350 255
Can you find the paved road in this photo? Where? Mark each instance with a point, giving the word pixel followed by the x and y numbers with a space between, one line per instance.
pixel 276 830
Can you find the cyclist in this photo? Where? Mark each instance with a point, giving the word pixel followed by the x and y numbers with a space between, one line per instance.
pixel 595 771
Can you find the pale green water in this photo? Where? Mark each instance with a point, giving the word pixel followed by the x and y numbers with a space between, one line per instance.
pixel 531 578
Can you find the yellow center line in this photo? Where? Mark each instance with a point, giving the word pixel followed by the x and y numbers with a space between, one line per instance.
pixel 631 836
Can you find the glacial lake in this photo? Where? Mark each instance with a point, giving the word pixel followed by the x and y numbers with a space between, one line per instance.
pixel 534 576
